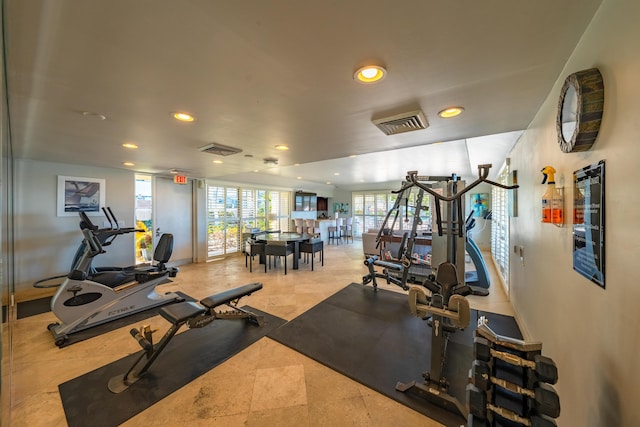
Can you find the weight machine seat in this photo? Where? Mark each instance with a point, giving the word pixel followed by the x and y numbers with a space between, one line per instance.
pixel 181 312
pixel 229 295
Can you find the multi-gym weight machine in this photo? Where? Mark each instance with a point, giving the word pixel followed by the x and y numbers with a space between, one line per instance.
pixel 406 266
pixel 441 298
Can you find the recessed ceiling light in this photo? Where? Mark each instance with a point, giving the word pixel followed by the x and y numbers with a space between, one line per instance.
pixel 177 171
pixel 352 156
pixel 328 182
pixel 129 164
pixel 183 117
pixel 129 145
pixel 336 173
pixel 256 170
pixel 370 74
pixel 282 147
pixel 299 177
pixel 218 162
pixel 93 115
pixel 451 112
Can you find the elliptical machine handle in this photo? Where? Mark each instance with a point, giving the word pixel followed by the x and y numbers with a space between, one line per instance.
pixel 95 247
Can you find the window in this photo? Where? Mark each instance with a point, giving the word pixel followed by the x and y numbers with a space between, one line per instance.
pixel 279 210
pixel 370 210
pixel 232 211
pixel 500 227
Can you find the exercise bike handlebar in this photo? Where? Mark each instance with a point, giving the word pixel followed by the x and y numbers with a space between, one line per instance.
pixel 106 235
pixel 95 247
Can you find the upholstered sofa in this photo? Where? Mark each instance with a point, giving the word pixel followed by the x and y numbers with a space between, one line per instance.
pixel 369 242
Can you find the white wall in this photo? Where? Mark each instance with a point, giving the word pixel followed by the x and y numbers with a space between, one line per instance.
pixel 339 196
pixel 45 243
pixel 593 334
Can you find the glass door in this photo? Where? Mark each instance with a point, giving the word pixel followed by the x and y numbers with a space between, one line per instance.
pixel 223 220
pixel 143 218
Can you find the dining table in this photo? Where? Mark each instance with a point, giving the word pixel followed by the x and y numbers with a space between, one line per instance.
pixel 287 237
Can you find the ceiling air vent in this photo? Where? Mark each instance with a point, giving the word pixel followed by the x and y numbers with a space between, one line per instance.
pixel 220 150
pixel 404 122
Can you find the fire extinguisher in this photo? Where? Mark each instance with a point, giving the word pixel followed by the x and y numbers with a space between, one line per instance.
pixel 551 200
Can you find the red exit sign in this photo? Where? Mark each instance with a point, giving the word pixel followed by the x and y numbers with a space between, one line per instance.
pixel 180 179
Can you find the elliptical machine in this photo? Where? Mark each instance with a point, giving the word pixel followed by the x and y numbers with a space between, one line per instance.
pixel 89 296
pixel 478 279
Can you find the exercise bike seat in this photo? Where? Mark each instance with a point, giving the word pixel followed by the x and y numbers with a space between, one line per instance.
pixel 230 295
pixel 161 255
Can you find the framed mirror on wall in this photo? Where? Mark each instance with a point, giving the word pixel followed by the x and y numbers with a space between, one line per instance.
pixel 580 109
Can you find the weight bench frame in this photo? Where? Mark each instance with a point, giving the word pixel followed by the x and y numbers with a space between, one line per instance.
pixel 194 316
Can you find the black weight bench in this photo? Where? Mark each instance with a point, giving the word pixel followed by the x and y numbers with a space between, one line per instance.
pixel 194 316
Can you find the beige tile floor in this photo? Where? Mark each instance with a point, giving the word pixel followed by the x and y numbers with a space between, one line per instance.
pixel 265 385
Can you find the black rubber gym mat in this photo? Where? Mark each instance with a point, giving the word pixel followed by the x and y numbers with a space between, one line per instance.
pixel 87 400
pixel 33 307
pixel 372 338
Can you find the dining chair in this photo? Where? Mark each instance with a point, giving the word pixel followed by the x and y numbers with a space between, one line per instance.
pixel 299 224
pixel 252 249
pixel 310 227
pixel 277 249
pixel 311 248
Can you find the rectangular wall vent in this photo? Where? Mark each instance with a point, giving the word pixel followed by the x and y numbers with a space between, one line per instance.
pixel 220 150
pixel 404 122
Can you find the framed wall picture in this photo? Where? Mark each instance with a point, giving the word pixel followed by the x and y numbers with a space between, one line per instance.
pixel 480 204
pixel 589 223
pixel 77 194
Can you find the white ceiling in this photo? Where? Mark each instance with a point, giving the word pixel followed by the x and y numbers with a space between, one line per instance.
pixel 259 73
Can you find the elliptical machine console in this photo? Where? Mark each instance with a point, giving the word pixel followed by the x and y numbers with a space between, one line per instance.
pixel 89 297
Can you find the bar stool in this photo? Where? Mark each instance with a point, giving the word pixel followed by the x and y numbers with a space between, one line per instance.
pixel 334 231
pixel 311 247
pixel 310 227
pixel 347 229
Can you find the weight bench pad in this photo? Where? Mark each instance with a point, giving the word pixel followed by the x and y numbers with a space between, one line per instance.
pixel 230 295
pixel 181 312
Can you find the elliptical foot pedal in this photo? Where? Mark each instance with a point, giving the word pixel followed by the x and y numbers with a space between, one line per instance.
pixel 482 292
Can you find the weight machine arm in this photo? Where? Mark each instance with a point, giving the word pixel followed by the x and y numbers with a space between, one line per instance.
pixel 413 179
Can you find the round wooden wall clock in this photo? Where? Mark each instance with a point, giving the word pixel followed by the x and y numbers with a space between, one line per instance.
pixel 580 110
